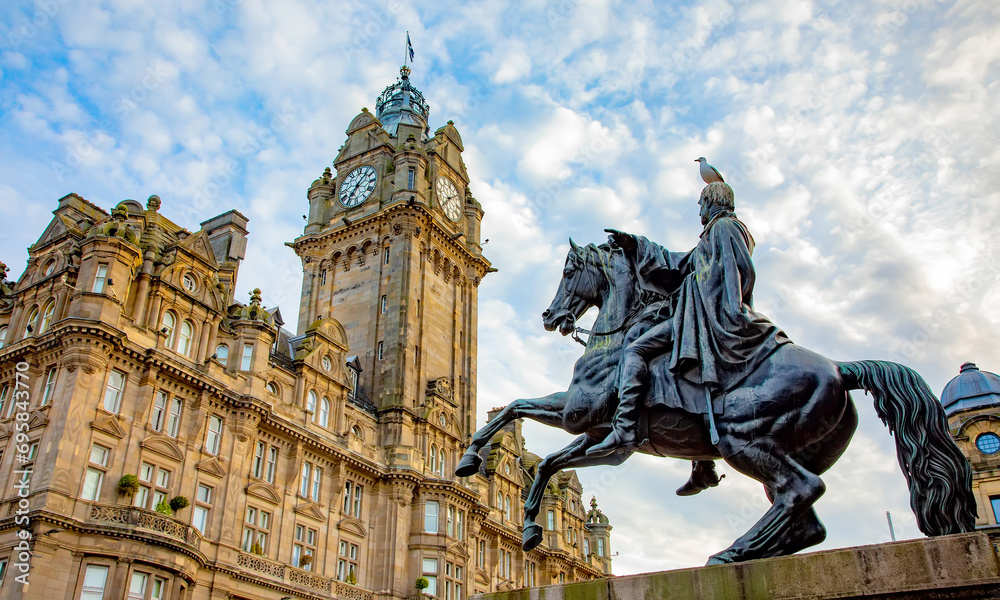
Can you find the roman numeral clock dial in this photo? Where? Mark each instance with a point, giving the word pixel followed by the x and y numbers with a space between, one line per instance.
pixel 448 198
pixel 358 186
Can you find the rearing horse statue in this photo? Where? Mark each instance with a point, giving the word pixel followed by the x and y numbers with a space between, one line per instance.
pixel 784 425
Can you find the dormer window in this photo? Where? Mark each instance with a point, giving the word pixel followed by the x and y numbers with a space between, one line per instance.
pixel 50 268
pixel 188 282
pixel 327 363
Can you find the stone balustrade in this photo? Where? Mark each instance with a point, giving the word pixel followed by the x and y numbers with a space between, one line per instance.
pixel 302 578
pixel 148 520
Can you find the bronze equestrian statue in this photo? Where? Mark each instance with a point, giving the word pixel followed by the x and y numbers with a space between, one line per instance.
pixel 716 380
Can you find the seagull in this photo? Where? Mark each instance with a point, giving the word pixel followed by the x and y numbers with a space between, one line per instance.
pixel 709 173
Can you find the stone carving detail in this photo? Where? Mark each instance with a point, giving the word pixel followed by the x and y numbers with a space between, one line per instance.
pixel 344 590
pixel 261 565
pixel 440 387
pixel 309 580
pixel 145 519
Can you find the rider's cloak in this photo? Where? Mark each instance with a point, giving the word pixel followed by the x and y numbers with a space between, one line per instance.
pixel 718 338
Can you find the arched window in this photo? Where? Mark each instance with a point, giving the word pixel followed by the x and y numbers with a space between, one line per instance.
pixel 184 344
pixel 434 458
pixel 31 324
pixel 441 463
pixel 50 268
pixel 499 501
pixel 47 314
pixel 272 388
pixel 3 336
pixel 169 323
pixel 324 411
pixel 356 431
pixel 222 354
pixel 311 405
pixel 506 507
pixel 586 547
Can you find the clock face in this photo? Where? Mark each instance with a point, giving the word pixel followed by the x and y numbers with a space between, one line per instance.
pixel 358 185
pixel 447 195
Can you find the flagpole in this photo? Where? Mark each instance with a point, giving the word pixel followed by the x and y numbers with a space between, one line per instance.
pixel 406 48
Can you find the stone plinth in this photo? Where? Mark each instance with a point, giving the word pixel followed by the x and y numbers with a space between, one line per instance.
pixel 956 566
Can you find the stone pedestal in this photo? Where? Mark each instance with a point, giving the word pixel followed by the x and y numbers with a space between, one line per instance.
pixel 955 566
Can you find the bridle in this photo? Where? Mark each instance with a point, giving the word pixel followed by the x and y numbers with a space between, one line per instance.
pixel 627 322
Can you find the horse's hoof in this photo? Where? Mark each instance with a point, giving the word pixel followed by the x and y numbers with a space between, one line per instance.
pixel 469 465
pixel 532 536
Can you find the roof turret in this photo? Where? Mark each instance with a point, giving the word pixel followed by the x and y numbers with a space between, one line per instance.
pixel 971 389
pixel 402 104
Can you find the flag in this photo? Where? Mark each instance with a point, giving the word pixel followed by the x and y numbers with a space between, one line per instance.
pixel 409 46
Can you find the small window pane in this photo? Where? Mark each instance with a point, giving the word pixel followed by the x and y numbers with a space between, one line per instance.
pixel 113 393
pixel 988 443
pixel 431 516
pixel 94 582
pixel 247 357
pixel 99 278
pixel 99 455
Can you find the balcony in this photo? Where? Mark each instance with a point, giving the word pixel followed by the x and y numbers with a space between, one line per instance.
pixel 304 579
pixel 142 520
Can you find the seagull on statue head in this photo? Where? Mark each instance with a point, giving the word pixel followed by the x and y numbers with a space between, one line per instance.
pixel 709 173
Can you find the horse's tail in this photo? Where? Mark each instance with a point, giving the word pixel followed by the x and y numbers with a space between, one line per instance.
pixel 937 472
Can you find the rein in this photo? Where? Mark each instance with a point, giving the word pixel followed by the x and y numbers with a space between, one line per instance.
pixel 627 322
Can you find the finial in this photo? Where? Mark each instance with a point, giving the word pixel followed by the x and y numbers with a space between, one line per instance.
pixel 119 213
pixel 404 72
pixel 255 297
pixel 327 175
pixel 153 203
pixel 3 271
pixel 593 502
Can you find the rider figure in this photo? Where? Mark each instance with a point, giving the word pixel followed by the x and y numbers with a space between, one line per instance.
pixel 714 338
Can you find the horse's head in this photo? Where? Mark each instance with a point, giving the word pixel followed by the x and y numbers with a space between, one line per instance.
pixel 581 287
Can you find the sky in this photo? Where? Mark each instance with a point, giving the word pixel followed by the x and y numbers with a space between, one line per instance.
pixel 862 141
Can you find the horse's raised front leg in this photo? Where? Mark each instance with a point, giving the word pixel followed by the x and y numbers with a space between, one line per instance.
pixel 572 456
pixel 547 410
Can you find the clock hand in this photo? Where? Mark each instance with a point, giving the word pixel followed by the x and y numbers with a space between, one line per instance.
pixel 353 189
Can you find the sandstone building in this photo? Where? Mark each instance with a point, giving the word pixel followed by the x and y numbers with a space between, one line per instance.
pixel 972 402
pixel 180 444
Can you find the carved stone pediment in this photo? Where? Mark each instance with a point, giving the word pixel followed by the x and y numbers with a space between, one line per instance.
pixel 164 446
pixel 459 549
pixel 263 491
pixel 39 418
pixel 108 424
pixel 352 525
pixel 310 510
pixel 212 466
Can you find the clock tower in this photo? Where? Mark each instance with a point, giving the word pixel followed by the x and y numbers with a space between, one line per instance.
pixel 391 250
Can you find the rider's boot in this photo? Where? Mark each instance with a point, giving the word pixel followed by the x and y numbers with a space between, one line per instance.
pixel 623 433
pixel 703 476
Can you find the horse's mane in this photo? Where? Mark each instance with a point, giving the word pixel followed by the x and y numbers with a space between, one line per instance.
pixel 593 254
